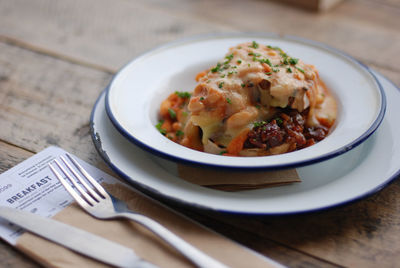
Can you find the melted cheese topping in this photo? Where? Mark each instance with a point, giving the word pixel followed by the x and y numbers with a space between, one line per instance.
pixel 247 86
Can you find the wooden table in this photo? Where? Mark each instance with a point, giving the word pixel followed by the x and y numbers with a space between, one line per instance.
pixel 57 56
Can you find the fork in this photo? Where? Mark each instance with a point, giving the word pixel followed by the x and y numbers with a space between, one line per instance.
pixel 102 205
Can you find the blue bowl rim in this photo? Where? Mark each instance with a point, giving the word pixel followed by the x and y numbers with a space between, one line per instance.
pixel 317 159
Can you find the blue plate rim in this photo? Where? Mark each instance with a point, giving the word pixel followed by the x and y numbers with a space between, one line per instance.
pixel 175 201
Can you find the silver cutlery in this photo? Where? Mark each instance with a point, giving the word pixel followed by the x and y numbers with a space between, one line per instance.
pixel 99 203
pixel 75 239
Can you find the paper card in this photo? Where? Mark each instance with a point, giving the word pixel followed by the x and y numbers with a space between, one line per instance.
pixel 31 186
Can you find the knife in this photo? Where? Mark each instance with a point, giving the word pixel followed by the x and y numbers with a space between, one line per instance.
pixel 75 239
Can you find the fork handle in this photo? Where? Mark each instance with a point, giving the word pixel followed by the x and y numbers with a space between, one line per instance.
pixel 199 258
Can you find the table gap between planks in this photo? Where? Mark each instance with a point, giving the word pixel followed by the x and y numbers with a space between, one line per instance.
pixel 57 56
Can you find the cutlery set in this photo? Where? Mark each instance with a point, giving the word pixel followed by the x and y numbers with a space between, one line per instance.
pixel 96 201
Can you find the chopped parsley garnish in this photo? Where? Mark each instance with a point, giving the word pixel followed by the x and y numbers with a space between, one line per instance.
pixel 275 48
pixel 179 133
pixel 301 70
pixel 279 121
pixel 275 70
pixel 269 73
pixel 221 84
pixel 183 94
pixel 230 72
pixel 201 98
pixel 172 113
pixel 229 57
pixel 283 54
pixel 222 152
pixel 254 54
pixel 288 70
pixel 293 61
pixel 158 127
pixel 259 123
pixel 258 106
pixel 267 61
pixel 239 61
pixel 243 85
pixel 254 44
pixel 222 76
pixel 228 100
pixel 216 68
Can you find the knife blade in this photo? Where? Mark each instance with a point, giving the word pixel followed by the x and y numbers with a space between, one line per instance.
pixel 75 239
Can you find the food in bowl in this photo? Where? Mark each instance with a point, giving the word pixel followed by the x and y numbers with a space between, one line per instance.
pixel 257 101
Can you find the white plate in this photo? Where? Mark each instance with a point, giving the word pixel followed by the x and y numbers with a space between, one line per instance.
pixel 135 94
pixel 348 177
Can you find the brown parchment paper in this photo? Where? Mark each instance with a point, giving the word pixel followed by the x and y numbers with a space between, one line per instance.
pixel 236 181
pixel 132 235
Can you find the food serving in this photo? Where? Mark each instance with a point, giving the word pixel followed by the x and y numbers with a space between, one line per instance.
pixel 134 96
pixel 257 101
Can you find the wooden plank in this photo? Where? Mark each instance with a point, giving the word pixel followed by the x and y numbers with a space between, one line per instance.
pixel 109 35
pixel 364 29
pixel 47 101
pixel 390 3
pixel 42 103
pixel 36 90
pixel 38 94
pixel 367 30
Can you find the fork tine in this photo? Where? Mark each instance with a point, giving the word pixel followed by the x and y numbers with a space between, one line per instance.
pixel 84 194
pixel 68 187
pixel 95 184
pixel 95 196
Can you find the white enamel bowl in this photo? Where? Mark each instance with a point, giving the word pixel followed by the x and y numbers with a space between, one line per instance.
pixel 134 96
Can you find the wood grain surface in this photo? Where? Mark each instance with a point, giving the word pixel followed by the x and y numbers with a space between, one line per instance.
pixel 57 56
